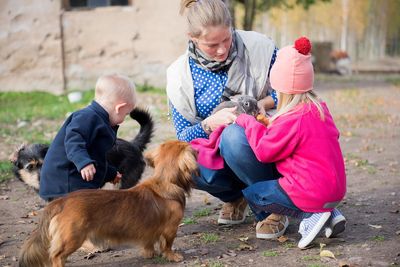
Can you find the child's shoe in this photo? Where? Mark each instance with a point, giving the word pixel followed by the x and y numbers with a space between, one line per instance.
pixel 336 224
pixel 271 227
pixel 310 227
pixel 234 212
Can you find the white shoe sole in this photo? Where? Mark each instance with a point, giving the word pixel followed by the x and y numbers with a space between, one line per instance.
pixel 274 235
pixel 337 226
pixel 226 221
pixel 304 242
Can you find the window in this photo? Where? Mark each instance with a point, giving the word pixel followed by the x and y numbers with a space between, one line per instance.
pixel 95 3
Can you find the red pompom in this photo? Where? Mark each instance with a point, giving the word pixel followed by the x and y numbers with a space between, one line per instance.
pixel 303 45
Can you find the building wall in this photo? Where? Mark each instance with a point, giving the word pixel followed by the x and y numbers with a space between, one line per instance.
pixel 48 48
pixel 30 46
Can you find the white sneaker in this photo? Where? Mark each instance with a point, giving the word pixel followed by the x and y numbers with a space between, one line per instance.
pixel 336 224
pixel 310 227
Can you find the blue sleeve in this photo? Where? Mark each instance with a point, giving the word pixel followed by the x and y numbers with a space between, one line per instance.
pixel 186 131
pixel 77 138
pixel 273 92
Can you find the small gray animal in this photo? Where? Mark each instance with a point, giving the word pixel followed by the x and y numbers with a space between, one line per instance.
pixel 244 103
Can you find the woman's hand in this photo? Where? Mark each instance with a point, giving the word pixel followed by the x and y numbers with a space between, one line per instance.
pixel 265 104
pixel 224 116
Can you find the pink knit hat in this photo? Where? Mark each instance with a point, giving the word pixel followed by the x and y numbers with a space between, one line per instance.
pixel 292 72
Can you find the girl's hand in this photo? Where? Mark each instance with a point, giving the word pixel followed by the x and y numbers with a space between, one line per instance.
pixel 224 116
pixel 88 172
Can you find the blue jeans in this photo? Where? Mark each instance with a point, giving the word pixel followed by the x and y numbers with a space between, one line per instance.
pixel 241 167
pixel 243 171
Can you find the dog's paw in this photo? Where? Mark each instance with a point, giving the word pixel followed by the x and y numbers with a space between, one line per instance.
pixel 173 256
pixel 148 253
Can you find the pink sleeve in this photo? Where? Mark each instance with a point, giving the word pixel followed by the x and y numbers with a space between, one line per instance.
pixel 271 144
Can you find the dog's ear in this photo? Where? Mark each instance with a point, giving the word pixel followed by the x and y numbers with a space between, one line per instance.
pixel 14 156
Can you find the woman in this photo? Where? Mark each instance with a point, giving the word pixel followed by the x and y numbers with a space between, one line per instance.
pixel 221 62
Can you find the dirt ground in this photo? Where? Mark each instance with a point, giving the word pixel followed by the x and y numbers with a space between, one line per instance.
pixel 367 112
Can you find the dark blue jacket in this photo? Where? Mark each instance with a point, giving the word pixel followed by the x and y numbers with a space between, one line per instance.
pixel 85 138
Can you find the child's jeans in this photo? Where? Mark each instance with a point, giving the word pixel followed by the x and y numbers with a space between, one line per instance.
pixel 241 167
pixel 243 171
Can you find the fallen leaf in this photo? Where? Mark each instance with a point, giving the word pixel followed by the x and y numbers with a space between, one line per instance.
pixel 244 239
pixel 32 213
pixel 327 253
pixel 245 247
pixel 282 239
pixel 206 200
pixel 375 226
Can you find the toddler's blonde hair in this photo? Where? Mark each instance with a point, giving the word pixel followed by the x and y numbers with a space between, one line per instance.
pixel 287 103
pixel 112 89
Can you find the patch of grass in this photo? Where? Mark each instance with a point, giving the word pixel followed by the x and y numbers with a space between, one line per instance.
pixel 159 260
pixel 189 220
pixel 269 253
pixel 315 265
pixel 202 212
pixel 394 80
pixel 145 88
pixel 209 237
pixel 5 171
pixel 288 245
pixel 310 258
pixel 378 238
pixel 21 106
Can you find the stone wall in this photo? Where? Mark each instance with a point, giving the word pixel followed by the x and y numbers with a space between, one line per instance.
pixel 47 48
pixel 30 46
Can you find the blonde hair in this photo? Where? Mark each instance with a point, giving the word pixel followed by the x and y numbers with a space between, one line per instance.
pixel 201 14
pixel 114 88
pixel 287 103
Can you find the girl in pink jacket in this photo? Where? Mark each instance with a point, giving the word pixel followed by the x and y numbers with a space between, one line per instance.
pixel 302 140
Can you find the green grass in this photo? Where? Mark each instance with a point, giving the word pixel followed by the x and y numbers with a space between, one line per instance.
pixel 378 238
pixel 145 88
pixel 311 258
pixel 17 106
pixel 5 171
pixel 270 253
pixel 189 220
pixel 159 260
pixel 202 212
pixel 209 238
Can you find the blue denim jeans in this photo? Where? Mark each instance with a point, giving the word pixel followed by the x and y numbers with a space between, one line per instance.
pixel 241 167
pixel 243 171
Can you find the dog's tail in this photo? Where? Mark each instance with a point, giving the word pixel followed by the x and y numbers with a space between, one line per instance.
pixel 146 122
pixel 35 251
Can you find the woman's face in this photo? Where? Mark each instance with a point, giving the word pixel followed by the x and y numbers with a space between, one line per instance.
pixel 215 42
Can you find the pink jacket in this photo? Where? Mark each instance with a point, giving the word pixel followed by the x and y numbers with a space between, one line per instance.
pixel 307 153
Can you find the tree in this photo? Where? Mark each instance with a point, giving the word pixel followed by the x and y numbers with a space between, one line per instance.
pixel 251 7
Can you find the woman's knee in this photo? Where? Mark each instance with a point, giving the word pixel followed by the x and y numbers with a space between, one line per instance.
pixel 233 139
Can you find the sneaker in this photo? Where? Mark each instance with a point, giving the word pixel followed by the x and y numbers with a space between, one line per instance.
pixel 271 227
pixel 310 227
pixel 233 212
pixel 336 224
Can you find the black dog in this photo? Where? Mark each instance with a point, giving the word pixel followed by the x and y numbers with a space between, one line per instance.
pixel 126 156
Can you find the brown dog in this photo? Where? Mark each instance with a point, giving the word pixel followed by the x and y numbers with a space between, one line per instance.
pixel 145 214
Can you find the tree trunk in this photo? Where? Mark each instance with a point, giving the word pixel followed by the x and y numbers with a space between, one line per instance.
pixel 249 14
pixel 231 6
pixel 345 25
